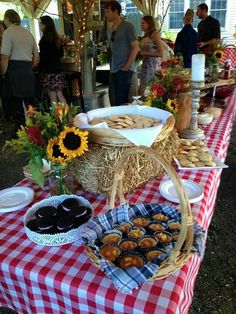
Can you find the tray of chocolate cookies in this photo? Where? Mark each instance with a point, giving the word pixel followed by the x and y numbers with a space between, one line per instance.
pixel 57 220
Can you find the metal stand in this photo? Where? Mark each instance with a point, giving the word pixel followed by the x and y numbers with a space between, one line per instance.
pixel 193 131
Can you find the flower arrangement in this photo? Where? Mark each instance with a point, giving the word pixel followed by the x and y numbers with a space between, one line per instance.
pixel 49 136
pixel 167 83
pixel 214 52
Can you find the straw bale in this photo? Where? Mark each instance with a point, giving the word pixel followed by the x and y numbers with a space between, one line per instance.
pixel 95 169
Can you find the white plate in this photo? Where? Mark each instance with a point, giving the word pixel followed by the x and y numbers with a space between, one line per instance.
pixel 192 189
pixel 14 198
pixel 219 164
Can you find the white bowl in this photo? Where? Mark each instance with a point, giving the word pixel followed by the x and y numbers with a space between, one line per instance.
pixel 58 238
pixel 215 112
pixel 204 118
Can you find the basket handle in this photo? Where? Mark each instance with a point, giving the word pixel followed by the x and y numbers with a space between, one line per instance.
pixel 186 213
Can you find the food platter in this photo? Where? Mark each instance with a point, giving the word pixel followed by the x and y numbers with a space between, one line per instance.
pixel 195 155
pixel 219 164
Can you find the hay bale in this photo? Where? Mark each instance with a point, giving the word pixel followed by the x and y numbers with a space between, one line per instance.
pixel 95 169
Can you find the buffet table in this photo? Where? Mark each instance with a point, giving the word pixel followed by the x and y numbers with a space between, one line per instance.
pixel 37 279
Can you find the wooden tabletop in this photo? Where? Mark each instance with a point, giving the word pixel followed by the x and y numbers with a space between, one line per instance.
pixel 220 82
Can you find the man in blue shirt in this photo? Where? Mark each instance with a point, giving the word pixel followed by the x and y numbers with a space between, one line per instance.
pixel 186 40
pixel 124 48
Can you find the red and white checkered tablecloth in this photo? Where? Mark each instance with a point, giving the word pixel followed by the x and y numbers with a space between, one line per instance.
pixel 230 53
pixel 37 279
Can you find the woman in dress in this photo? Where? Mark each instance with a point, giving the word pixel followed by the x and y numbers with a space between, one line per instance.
pixel 51 51
pixel 151 50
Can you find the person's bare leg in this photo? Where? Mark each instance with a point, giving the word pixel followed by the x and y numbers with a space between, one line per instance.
pixel 61 97
pixel 141 89
pixel 52 96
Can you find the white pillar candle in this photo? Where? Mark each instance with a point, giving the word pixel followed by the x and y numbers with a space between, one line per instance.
pixel 198 67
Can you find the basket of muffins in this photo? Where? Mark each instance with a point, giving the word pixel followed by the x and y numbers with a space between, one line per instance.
pixel 143 241
pixel 57 220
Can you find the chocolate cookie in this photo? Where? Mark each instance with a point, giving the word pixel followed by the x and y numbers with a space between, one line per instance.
pixel 71 204
pixel 33 225
pixel 79 211
pixel 46 212
pixel 46 224
pixel 65 223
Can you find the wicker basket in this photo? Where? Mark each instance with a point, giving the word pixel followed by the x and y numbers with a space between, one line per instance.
pixel 183 247
pixel 95 169
pixel 109 137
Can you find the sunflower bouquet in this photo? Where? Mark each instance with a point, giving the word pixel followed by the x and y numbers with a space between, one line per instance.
pixel 214 52
pixel 166 86
pixel 49 136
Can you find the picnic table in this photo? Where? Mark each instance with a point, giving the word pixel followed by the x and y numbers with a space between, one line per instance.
pixel 62 279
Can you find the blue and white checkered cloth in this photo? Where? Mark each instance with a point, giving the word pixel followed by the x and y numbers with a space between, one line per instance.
pixel 126 280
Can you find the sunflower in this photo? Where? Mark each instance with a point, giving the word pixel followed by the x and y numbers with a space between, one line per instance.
pixel 54 153
pixel 73 142
pixel 218 54
pixel 172 105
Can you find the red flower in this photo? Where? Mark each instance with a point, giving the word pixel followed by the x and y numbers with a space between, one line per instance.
pixel 34 133
pixel 158 90
pixel 178 83
pixel 164 65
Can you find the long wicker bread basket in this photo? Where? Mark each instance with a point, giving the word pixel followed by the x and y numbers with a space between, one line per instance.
pixel 109 137
pixel 183 247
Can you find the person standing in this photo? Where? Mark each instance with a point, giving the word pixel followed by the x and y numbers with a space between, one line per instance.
pixel 51 52
pixel 152 49
pixel 208 28
pixel 19 55
pixel 186 40
pixel 124 48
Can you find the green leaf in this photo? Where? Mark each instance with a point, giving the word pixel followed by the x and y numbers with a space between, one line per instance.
pixel 36 165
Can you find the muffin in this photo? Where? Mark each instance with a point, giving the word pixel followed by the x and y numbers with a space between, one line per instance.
pixel 147 241
pixel 136 233
pixel 110 252
pixel 163 236
pixel 175 236
pixel 174 225
pixel 131 259
pixel 157 226
pixel 155 253
pixel 140 221
pixel 123 227
pixel 111 237
pixel 128 244
pixel 160 217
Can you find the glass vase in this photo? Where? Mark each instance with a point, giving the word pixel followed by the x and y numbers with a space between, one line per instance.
pixel 61 181
pixel 213 71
